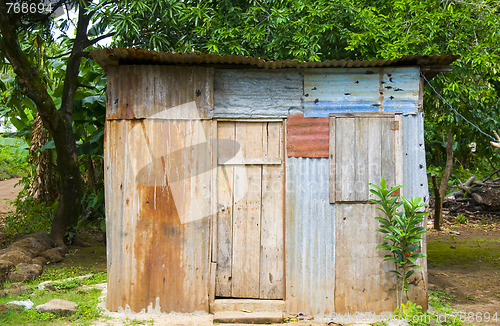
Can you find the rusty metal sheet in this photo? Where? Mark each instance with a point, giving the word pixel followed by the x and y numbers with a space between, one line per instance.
pixel 158 206
pixel 307 137
pixel 361 90
pixel 309 238
pixel 159 92
pixel 120 56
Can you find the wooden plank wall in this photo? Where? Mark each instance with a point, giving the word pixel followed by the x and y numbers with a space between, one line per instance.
pixel 362 279
pixel 143 91
pixel 250 220
pixel 157 257
pixel 365 148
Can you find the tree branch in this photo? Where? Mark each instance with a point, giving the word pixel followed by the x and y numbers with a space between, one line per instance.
pixel 73 67
pixel 86 86
pixel 97 39
pixel 59 56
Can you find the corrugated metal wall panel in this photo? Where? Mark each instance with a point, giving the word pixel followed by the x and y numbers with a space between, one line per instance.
pixel 360 90
pixel 160 92
pixel 256 93
pixel 414 166
pixel 415 185
pixel 158 248
pixel 310 238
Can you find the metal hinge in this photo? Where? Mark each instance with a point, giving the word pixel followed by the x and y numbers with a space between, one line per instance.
pixel 395 125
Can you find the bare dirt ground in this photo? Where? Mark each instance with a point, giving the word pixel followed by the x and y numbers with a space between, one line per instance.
pixel 464 262
pixel 8 192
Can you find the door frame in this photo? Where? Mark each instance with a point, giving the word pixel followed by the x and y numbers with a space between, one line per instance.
pixel 212 250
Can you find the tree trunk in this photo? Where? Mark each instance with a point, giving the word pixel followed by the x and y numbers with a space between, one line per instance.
pixel 56 122
pixel 438 204
pixel 440 193
pixel 43 187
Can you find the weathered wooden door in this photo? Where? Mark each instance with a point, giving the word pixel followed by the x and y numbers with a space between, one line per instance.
pixel 249 228
pixel 364 147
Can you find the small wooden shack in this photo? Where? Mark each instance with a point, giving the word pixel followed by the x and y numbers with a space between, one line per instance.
pixel 236 177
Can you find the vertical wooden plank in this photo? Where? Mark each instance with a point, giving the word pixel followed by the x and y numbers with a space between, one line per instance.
pixel 213 194
pixel 246 232
pixel 250 137
pixel 213 217
pixel 271 250
pixel 398 151
pixel 387 155
pixel 225 182
pixel 247 213
pixel 272 136
pixel 332 160
pixel 374 152
pixel 346 135
pixel 361 160
pixel 360 271
pixel 211 288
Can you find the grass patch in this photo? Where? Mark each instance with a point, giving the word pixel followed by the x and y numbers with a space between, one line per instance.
pixel 86 312
pixel 87 299
pixel 471 253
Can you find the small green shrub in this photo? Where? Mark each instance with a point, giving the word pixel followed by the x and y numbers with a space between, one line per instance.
pixel 461 219
pixel 403 233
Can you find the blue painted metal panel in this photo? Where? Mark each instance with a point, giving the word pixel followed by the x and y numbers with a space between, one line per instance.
pixel 360 90
pixel 310 238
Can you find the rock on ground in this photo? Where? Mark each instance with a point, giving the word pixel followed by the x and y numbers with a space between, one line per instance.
pixel 25 272
pixel 5 268
pixel 15 255
pixel 15 289
pixel 4 308
pixel 33 245
pixel 58 307
pixel 39 261
pixel 53 255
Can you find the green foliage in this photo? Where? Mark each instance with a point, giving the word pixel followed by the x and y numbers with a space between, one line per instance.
pixel 30 216
pixel 86 314
pixel 402 232
pixel 13 158
pixel 461 219
pixel 413 314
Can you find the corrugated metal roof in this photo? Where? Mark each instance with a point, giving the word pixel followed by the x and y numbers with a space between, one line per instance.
pixel 119 56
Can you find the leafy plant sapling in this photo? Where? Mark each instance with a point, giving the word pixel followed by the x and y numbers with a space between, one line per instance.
pixel 402 231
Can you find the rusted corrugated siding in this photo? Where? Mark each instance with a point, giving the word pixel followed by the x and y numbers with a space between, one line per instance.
pixel 137 92
pixel 252 93
pixel 310 238
pixel 157 255
pixel 307 137
pixel 357 90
